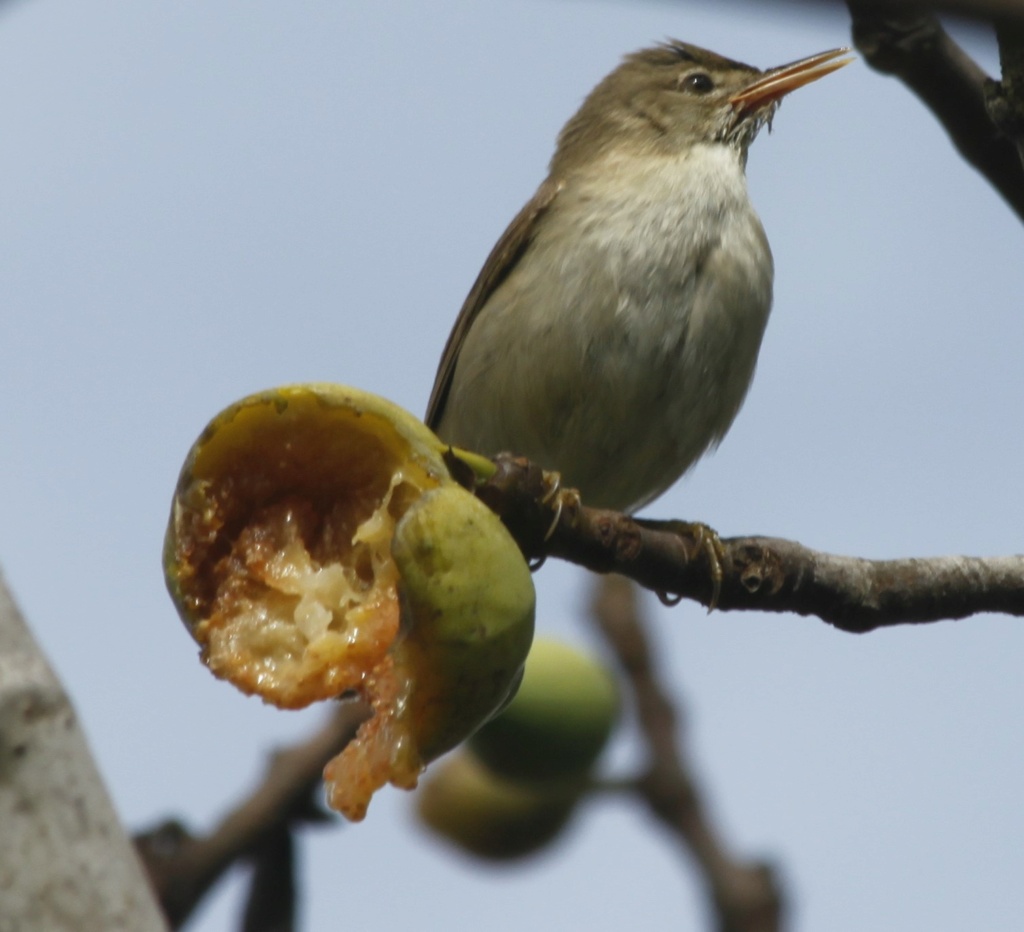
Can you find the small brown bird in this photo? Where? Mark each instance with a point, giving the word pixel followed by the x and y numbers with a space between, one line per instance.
pixel 614 329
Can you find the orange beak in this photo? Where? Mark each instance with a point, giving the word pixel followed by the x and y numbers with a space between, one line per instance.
pixel 774 84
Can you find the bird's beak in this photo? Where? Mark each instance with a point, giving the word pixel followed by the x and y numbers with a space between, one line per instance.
pixel 775 83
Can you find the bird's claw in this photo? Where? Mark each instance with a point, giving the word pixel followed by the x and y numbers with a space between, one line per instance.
pixel 558 499
pixel 708 540
pixel 705 539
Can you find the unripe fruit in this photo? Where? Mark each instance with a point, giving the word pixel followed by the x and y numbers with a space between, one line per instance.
pixel 487 816
pixel 467 623
pixel 558 722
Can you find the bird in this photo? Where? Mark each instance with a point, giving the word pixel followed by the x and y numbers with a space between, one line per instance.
pixel 614 329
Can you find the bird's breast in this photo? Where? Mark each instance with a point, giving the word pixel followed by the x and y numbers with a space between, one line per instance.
pixel 622 344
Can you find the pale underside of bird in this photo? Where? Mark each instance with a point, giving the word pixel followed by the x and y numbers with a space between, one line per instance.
pixel 613 332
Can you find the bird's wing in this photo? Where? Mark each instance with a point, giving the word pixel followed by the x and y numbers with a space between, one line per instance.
pixel 503 258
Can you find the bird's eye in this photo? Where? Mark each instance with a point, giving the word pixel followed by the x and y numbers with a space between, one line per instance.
pixel 699 83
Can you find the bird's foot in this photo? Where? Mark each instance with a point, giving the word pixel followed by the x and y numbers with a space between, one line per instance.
pixel 557 499
pixel 704 538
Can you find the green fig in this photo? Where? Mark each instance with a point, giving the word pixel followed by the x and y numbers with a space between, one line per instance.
pixel 488 817
pixel 559 721
pixel 467 607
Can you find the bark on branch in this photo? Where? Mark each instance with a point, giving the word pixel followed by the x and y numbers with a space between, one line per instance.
pixel 65 862
pixel 983 117
pixel 758 573
pixel 975 9
pixel 184 867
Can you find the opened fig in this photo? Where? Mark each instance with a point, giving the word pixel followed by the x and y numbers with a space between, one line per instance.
pixel 318 546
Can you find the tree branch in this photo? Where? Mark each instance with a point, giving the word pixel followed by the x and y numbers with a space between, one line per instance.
pixel 273 900
pixel 975 9
pixel 183 868
pixel 758 573
pixel 913 46
pixel 1006 99
pixel 746 896
pixel 65 862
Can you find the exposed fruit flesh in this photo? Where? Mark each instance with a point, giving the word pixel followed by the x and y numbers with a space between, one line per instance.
pixel 279 554
pixel 318 547
pixel 304 607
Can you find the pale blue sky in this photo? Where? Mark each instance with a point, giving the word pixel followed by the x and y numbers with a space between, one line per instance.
pixel 202 199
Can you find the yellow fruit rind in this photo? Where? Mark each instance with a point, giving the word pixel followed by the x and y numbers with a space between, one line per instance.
pixel 317 545
pixel 277 554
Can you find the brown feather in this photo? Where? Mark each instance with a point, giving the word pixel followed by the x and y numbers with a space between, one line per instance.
pixel 503 258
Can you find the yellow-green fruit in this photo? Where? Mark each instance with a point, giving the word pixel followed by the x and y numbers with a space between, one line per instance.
pixel 470 596
pixel 277 553
pixel 559 721
pixel 318 545
pixel 467 603
pixel 487 816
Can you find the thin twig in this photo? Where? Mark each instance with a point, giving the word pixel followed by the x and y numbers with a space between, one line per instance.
pixel 272 902
pixel 975 9
pixel 745 895
pixel 183 867
pixel 914 47
pixel 1006 99
pixel 758 573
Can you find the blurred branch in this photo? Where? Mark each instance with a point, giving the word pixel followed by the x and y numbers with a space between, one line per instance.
pixel 974 9
pixel 975 111
pixel 758 573
pixel 183 867
pixel 271 904
pixel 746 895
pixel 1006 99
pixel 65 862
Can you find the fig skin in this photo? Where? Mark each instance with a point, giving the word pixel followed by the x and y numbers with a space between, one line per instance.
pixel 488 817
pixel 514 787
pixel 471 599
pixel 467 603
pixel 559 721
